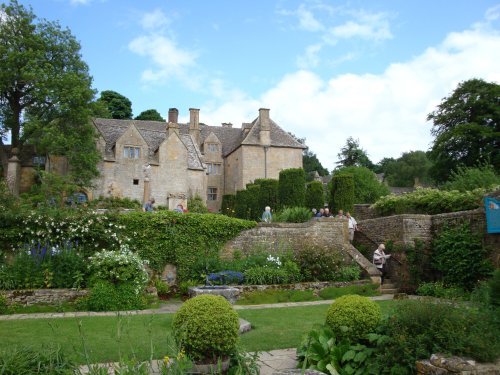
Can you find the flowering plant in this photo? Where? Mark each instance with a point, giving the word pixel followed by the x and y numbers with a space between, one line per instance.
pixel 273 261
pixel 118 267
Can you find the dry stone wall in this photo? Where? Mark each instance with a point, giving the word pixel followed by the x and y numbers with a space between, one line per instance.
pixel 42 296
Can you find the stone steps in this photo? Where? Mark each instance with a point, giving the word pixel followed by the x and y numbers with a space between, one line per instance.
pixel 388 287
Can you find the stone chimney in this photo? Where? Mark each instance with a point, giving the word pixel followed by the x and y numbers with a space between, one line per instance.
pixel 173 115
pixel 172 127
pixel 194 124
pixel 227 125
pixel 265 127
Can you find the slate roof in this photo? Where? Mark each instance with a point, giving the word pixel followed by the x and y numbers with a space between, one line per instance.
pixel 154 133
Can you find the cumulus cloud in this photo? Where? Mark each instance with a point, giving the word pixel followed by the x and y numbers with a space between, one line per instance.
pixel 387 111
pixel 154 20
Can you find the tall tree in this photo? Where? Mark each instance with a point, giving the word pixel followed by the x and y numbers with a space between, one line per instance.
pixel 367 188
pixel 310 161
pixel 352 155
pixel 118 105
pixel 45 90
pixel 150 115
pixel 467 128
pixel 411 168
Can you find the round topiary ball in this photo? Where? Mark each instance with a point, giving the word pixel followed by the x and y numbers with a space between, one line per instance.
pixel 206 327
pixel 358 314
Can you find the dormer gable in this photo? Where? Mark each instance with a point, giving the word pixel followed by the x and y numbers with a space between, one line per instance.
pixel 212 145
pixel 131 145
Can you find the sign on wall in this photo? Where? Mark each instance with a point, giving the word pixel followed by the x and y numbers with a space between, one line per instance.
pixel 492 207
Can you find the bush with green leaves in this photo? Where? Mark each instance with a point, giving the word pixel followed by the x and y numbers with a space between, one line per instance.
pixel 268 193
pixel 318 263
pixel 107 296
pixel 207 327
pixel 367 188
pixel 196 205
pixel 119 267
pixel 470 178
pixel 293 215
pixel 342 193
pixel 494 289
pixel 111 203
pixel 228 205
pixel 439 290
pixel 429 201
pixel 419 328
pixel 292 188
pixel 242 205
pixel 459 255
pixel 253 205
pixel 315 196
pixel 273 271
pixel 353 316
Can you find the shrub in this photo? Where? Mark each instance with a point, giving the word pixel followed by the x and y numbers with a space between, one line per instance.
pixel 468 179
pixel 228 205
pixel 120 267
pixel 367 188
pixel 429 201
pixel 494 286
pixel 353 316
pixel 196 205
pixel 459 255
pixel 206 327
pixel 293 215
pixel 342 193
pixel 419 328
pixel 439 290
pixel 241 205
pixel 253 206
pixel 106 296
pixel 318 263
pixel 268 193
pixel 266 276
pixel 114 203
pixel 361 290
pixel 292 187
pixel 315 196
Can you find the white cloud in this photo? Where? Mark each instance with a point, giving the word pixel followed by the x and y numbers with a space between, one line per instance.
pixel 167 58
pixel 80 2
pixel 310 59
pixel 386 111
pixel 368 26
pixel 154 20
pixel 307 21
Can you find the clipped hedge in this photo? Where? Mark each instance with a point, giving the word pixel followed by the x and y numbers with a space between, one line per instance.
pixel 429 201
pixel 342 193
pixel 292 188
pixel 268 195
pixel 228 204
pixel 315 197
pixel 252 197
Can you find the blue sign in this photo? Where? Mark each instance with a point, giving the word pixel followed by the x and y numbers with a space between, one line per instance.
pixel 492 207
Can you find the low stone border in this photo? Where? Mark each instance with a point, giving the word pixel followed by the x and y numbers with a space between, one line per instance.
pixel 315 286
pixel 30 297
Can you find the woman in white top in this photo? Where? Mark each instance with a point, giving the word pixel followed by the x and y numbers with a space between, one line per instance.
pixel 380 260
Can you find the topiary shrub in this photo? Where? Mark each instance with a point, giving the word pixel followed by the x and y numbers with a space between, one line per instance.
pixel 315 196
pixel 292 188
pixel 359 315
pixel 206 327
pixel 196 205
pixel 342 193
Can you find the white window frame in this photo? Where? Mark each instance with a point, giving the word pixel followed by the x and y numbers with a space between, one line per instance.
pixel 212 193
pixel 212 147
pixel 131 152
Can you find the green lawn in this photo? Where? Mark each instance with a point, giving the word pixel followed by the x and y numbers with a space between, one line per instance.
pixel 112 338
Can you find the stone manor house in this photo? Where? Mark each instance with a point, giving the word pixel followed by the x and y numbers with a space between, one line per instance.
pixel 173 162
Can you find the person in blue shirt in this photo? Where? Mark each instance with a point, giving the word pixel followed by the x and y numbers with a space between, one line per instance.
pixel 148 206
pixel 267 217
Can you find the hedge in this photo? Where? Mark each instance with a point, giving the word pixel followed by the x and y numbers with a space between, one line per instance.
pixel 292 188
pixel 342 193
pixel 268 195
pixel 228 204
pixel 314 195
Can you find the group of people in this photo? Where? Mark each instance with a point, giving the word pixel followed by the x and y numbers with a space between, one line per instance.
pixel 352 225
pixel 148 206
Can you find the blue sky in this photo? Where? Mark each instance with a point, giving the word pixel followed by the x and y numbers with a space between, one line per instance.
pixel 327 70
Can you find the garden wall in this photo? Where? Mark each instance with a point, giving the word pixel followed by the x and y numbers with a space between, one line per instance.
pixel 42 296
pixel 328 233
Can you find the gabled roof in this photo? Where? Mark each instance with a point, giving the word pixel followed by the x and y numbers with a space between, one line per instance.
pixel 154 133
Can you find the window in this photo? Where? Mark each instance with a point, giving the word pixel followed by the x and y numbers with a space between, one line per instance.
pixel 39 160
pixel 212 194
pixel 214 168
pixel 130 152
pixel 213 147
pixel 135 181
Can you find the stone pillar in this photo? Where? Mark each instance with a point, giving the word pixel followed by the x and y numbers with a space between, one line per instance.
pixel 14 173
pixel 265 127
pixel 194 124
pixel 147 190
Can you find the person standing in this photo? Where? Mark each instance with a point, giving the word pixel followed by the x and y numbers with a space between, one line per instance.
pixel 148 206
pixel 380 260
pixel 353 226
pixel 267 217
pixel 340 215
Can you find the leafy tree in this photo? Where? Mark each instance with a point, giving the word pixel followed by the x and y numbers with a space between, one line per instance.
pixel 352 155
pixel 118 105
pixel 381 166
pixel 310 161
pixel 367 188
pixel 411 167
pixel 45 90
pixel 468 179
pixel 150 115
pixel 467 128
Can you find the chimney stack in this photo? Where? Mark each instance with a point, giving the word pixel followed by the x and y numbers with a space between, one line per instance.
pixel 194 124
pixel 227 125
pixel 265 127
pixel 173 115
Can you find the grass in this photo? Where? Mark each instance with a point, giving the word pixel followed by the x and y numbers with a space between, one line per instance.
pixel 280 296
pixel 112 338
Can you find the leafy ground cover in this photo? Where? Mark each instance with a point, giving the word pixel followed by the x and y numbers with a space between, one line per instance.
pixel 140 336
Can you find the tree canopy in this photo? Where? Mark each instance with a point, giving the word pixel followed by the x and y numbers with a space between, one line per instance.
pixel 45 90
pixel 467 128
pixel 352 155
pixel 118 105
pixel 367 189
pixel 150 115
pixel 411 168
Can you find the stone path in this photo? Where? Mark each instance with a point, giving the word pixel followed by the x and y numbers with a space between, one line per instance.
pixel 271 362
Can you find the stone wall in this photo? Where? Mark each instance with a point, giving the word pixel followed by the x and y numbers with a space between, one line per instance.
pixel 326 233
pixel 42 296
pixel 442 365
pixel 363 212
